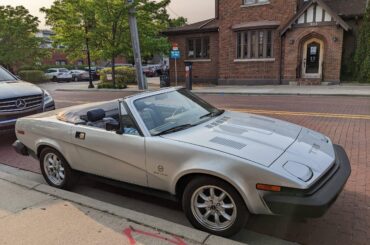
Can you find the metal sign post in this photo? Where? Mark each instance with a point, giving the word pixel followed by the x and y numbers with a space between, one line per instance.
pixel 175 54
pixel 176 72
pixel 136 46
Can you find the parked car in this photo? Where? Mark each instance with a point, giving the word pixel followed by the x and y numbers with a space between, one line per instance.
pixel 153 70
pixel 221 165
pixel 95 72
pixel 19 99
pixel 80 75
pixel 58 75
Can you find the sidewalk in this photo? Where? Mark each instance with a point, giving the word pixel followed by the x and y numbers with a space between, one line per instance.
pixel 34 213
pixel 335 90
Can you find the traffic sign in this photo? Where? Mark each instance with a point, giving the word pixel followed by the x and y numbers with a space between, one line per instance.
pixel 175 54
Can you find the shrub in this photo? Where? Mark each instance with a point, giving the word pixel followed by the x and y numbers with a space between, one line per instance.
pixel 110 85
pixel 33 76
pixel 124 75
pixel 362 57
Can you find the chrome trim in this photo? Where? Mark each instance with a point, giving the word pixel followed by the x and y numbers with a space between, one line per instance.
pixel 8 121
pixel 31 102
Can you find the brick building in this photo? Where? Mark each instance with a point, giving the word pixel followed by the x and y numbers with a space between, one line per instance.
pixel 270 41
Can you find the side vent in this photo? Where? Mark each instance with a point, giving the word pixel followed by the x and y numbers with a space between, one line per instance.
pixel 218 122
pixel 228 143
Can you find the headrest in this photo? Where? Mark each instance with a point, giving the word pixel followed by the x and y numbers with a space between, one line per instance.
pixel 95 115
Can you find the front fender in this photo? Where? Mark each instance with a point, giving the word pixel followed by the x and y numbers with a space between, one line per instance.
pixel 239 183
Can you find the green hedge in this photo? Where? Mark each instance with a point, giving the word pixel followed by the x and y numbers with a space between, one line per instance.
pixel 124 75
pixel 33 76
pixel 110 85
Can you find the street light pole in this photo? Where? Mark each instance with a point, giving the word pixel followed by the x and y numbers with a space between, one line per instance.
pixel 136 46
pixel 91 85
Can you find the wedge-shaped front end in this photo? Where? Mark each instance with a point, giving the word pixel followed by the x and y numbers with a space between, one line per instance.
pixel 320 170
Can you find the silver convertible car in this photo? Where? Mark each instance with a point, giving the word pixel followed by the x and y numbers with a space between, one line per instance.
pixel 221 165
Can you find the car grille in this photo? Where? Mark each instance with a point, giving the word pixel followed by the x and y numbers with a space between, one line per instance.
pixel 21 103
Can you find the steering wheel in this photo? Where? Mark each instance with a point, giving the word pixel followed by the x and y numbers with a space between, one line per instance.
pixel 177 111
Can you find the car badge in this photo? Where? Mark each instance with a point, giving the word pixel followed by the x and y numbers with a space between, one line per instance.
pixel 20 104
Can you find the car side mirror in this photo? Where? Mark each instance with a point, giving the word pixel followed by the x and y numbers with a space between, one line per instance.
pixel 113 127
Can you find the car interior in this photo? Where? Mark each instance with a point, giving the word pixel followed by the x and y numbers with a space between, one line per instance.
pixel 106 116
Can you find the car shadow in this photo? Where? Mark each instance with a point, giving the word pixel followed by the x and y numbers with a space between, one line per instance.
pixel 348 215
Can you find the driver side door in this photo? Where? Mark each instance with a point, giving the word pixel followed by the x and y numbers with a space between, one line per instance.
pixel 108 154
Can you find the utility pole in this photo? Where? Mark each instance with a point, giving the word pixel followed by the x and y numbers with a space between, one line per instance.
pixel 136 46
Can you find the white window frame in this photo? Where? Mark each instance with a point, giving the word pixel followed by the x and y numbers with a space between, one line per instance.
pixel 240 48
pixel 248 3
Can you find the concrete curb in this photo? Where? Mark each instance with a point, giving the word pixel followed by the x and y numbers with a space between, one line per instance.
pixel 99 90
pixel 279 94
pixel 223 93
pixel 131 216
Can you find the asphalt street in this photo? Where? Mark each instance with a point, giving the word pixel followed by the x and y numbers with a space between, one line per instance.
pixel 346 120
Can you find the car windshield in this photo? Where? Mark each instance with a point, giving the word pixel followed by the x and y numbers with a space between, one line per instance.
pixel 174 111
pixel 5 75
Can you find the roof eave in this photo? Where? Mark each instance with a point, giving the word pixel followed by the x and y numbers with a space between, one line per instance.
pixel 197 31
pixel 336 17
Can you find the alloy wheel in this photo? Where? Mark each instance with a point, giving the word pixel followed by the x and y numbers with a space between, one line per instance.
pixel 54 169
pixel 213 208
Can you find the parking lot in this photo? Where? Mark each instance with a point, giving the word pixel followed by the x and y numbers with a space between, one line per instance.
pixel 346 120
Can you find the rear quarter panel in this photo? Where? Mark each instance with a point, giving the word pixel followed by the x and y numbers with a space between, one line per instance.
pixel 46 132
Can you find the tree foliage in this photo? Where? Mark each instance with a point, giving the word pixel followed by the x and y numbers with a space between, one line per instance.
pixel 73 21
pixel 362 57
pixel 108 27
pixel 180 21
pixel 18 42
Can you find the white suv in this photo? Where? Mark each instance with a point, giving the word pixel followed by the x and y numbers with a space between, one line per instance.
pixel 58 74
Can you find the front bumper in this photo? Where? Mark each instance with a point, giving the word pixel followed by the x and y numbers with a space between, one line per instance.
pixel 317 203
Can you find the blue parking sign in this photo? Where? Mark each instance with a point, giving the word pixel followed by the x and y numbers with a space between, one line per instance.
pixel 175 54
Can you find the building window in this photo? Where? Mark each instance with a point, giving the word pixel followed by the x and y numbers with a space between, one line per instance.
pixel 60 62
pixel 198 48
pixel 255 2
pixel 255 44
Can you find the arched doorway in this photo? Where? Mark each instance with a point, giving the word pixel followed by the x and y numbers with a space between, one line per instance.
pixel 313 58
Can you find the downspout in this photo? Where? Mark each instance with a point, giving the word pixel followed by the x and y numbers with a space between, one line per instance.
pixel 281 61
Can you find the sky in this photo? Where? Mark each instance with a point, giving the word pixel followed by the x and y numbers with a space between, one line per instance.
pixel 204 8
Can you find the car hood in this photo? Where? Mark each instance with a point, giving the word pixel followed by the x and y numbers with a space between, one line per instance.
pixel 251 137
pixel 14 89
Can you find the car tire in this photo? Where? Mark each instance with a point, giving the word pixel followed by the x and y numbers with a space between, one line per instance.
pixel 56 170
pixel 232 213
pixel 55 79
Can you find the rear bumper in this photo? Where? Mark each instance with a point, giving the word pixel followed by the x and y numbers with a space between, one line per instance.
pixel 316 204
pixel 20 148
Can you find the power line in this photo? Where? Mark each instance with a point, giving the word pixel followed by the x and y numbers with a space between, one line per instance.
pixel 177 15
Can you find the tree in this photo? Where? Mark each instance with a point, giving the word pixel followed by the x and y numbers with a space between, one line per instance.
pixel 180 21
pixel 110 33
pixel 362 57
pixel 18 42
pixel 113 31
pixel 152 19
pixel 74 22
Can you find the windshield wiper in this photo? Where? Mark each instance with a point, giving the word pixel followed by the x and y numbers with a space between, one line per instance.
pixel 175 129
pixel 213 114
